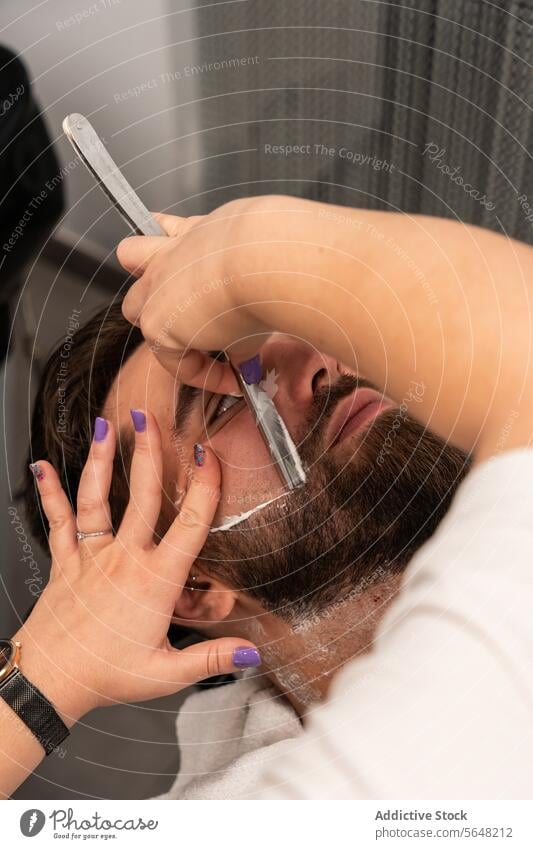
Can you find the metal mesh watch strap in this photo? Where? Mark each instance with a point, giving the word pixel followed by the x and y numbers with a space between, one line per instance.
pixel 34 710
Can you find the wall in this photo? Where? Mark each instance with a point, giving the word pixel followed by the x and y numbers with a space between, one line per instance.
pixel 120 62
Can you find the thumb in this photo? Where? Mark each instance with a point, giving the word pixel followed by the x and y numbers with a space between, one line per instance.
pixel 135 252
pixel 210 658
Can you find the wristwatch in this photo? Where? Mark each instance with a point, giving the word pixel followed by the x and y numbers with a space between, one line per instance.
pixel 27 701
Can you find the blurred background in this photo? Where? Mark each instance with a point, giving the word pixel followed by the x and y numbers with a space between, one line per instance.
pixel 417 106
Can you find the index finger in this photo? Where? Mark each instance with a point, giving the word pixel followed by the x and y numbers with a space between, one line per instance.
pixel 185 538
pixel 176 225
pixel 198 369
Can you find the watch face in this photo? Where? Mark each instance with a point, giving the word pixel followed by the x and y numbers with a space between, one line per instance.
pixel 6 652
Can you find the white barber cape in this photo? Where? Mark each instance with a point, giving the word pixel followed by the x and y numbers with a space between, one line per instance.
pixel 443 707
pixel 227 734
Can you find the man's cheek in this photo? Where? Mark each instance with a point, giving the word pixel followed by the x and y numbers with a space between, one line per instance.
pixel 249 477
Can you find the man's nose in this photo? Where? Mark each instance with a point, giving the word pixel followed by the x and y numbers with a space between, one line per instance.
pixel 294 372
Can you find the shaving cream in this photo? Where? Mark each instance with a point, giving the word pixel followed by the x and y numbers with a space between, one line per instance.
pixel 231 521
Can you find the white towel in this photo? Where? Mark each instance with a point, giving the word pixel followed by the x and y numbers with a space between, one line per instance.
pixel 227 734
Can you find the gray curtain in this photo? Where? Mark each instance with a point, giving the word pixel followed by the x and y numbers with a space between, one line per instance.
pixel 419 106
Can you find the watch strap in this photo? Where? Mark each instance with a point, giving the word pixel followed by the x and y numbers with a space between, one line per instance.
pixel 34 710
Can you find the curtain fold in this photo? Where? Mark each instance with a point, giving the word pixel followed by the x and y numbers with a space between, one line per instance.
pixel 419 106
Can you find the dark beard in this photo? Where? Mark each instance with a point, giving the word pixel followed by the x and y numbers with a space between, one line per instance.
pixel 364 512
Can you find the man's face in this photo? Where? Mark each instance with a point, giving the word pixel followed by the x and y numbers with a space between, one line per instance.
pixel 294 375
pixel 378 482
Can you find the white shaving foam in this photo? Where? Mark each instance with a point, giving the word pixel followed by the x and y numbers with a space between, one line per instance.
pixel 231 521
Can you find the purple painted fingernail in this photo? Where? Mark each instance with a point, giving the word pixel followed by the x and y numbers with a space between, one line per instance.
pixel 199 454
pixel 246 657
pixel 139 420
pixel 36 471
pixel 251 370
pixel 100 429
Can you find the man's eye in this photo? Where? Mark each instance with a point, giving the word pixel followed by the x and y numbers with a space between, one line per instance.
pixel 226 401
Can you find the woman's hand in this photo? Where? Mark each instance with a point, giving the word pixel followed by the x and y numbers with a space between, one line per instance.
pixel 185 282
pixel 98 634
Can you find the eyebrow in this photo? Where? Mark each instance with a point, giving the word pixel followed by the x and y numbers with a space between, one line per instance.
pixel 187 396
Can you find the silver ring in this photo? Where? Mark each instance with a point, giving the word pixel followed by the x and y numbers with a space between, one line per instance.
pixel 81 535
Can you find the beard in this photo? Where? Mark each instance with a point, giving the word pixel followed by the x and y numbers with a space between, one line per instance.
pixel 367 506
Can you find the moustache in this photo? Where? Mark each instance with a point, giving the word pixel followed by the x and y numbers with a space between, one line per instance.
pixel 324 404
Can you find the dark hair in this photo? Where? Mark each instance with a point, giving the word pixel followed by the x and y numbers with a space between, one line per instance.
pixel 72 392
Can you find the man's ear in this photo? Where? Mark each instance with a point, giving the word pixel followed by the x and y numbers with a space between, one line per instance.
pixel 205 600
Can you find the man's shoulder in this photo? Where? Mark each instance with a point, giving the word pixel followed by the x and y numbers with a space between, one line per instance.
pixel 226 733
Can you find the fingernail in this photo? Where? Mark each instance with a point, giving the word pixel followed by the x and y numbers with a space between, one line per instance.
pixel 246 657
pixel 139 420
pixel 36 471
pixel 251 370
pixel 199 454
pixel 100 429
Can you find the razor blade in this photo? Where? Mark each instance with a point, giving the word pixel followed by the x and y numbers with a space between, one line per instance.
pixel 95 157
